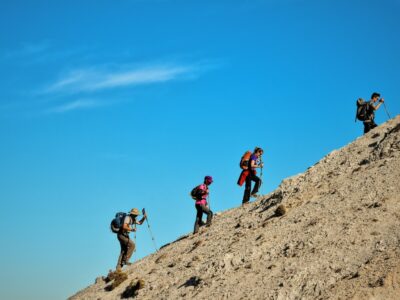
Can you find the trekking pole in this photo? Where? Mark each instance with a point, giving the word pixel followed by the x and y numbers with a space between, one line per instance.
pixel 384 106
pixel 261 173
pixel 134 238
pixel 151 233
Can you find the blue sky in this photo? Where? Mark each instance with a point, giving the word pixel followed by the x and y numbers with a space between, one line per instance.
pixel 109 105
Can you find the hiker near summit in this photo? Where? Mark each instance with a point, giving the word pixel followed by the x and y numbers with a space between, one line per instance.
pixel 200 194
pixel 369 123
pixel 127 245
pixel 251 175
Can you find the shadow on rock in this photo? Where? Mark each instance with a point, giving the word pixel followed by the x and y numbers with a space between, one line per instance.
pixel 116 277
pixel 132 289
pixel 192 281
pixel 279 212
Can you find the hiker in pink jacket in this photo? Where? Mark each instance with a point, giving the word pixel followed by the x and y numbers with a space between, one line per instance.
pixel 200 194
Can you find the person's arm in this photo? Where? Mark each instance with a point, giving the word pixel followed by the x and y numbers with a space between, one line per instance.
pixel 379 104
pixel 254 165
pixel 140 222
pixel 127 228
pixel 203 189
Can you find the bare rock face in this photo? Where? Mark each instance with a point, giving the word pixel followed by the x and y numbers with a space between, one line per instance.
pixel 332 232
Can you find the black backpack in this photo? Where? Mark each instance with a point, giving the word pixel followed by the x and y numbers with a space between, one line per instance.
pixel 117 222
pixel 362 110
pixel 196 193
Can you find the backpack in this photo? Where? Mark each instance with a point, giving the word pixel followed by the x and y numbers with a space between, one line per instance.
pixel 196 193
pixel 244 161
pixel 362 110
pixel 117 222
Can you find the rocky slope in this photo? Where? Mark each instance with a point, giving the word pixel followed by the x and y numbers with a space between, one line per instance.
pixel 336 235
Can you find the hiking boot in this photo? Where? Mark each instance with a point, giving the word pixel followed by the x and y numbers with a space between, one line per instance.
pixel 128 263
pixel 120 266
pixel 255 195
pixel 209 219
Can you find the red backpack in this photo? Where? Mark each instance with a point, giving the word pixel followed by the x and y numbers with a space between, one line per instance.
pixel 244 161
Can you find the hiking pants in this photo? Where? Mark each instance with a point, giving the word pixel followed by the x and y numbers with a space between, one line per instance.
pixel 369 125
pixel 127 248
pixel 251 177
pixel 199 216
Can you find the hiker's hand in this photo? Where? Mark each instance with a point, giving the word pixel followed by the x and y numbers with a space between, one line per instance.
pixel 382 100
pixel 262 165
pixel 133 229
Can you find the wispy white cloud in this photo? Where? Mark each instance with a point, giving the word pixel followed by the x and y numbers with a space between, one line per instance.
pixel 83 89
pixel 42 52
pixel 76 105
pixel 95 79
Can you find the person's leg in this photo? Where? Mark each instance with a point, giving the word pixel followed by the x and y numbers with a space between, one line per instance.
pixel 130 249
pixel 366 127
pixel 372 125
pixel 198 220
pixel 257 184
pixel 209 214
pixel 247 189
pixel 122 255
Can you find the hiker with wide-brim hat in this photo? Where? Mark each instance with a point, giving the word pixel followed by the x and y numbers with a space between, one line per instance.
pixel 127 245
pixel 200 195
pixel 369 123
pixel 253 164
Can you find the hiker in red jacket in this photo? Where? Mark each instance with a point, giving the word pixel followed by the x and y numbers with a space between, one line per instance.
pixel 200 194
pixel 253 164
